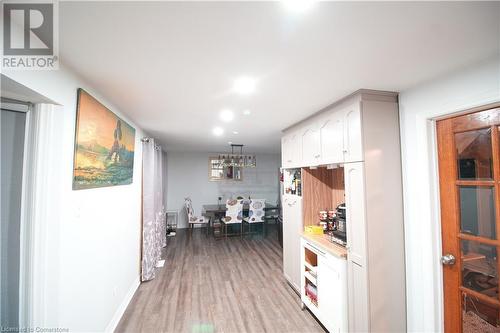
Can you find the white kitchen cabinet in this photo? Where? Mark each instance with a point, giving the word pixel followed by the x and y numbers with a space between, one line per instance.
pixel 353 145
pixel 328 273
pixel 361 133
pixel 291 150
pixel 332 293
pixel 286 152
pixel 292 230
pixel 296 150
pixel 355 211
pixel 331 133
pixel 310 145
pixel 358 298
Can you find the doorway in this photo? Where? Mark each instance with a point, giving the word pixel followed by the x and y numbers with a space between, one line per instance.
pixel 13 128
pixel 469 182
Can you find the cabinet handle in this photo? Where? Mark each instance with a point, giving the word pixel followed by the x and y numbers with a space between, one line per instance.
pixel 345 151
pixel 317 156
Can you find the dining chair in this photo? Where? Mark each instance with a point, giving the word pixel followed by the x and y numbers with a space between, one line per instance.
pixel 273 215
pixel 234 215
pixel 192 218
pixel 256 214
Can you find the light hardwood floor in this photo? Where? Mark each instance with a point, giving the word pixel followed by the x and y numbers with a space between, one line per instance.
pixel 210 285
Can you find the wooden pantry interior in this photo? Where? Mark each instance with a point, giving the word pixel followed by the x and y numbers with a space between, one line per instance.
pixel 347 153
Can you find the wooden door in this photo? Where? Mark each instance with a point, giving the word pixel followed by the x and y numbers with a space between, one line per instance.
pixel 469 181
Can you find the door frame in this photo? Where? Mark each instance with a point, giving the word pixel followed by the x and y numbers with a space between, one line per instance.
pixel 39 174
pixel 39 137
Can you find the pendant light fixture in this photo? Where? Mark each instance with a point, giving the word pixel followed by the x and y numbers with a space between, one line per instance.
pixel 237 159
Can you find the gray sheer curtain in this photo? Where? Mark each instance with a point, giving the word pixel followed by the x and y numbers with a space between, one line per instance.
pixel 153 212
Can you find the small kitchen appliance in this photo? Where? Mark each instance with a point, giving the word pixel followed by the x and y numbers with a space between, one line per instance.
pixel 339 233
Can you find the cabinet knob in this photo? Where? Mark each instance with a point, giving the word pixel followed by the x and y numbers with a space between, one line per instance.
pixel 345 150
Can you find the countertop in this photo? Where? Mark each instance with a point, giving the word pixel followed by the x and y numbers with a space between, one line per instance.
pixel 322 242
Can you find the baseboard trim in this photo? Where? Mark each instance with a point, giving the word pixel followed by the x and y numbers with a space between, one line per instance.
pixel 123 306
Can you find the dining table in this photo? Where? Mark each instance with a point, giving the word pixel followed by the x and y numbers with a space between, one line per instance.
pixel 219 210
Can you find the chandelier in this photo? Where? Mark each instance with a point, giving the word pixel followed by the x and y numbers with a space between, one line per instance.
pixel 237 159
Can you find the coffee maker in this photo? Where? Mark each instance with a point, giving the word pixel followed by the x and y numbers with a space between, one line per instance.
pixel 339 232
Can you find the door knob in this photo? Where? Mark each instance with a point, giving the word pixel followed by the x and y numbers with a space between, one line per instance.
pixel 448 259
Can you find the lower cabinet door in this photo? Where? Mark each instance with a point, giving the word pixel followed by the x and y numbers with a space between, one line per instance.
pixel 332 293
pixel 288 251
pixel 295 240
pixel 292 223
pixel 355 209
pixel 358 298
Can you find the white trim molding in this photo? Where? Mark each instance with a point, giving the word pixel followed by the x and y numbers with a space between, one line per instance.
pixel 123 306
pixel 38 170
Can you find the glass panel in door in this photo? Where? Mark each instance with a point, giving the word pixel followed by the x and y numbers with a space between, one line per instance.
pixel 479 268
pixel 477 211
pixel 474 154
pixel 479 316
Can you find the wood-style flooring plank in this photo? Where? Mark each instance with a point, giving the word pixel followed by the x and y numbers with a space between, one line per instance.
pixel 208 285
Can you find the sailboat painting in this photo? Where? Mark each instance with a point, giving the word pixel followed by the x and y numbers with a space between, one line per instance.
pixel 104 146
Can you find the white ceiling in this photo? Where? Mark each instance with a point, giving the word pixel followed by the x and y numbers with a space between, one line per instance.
pixel 170 65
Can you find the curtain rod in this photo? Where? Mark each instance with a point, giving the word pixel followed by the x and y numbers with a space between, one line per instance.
pixel 147 140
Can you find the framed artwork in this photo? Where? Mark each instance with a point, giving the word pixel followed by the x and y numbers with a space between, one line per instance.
pixel 104 146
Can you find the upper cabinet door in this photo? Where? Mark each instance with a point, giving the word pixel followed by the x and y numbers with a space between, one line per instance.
pixel 331 132
pixel 353 146
pixel 310 146
pixel 295 150
pixel 286 158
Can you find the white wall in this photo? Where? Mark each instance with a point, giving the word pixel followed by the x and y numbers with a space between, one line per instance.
pixel 187 175
pixel 465 89
pixel 93 236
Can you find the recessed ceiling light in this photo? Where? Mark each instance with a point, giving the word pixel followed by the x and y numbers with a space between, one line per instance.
pixel 244 85
pixel 235 132
pixel 298 5
pixel 218 131
pixel 226 115
pixel 247 112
